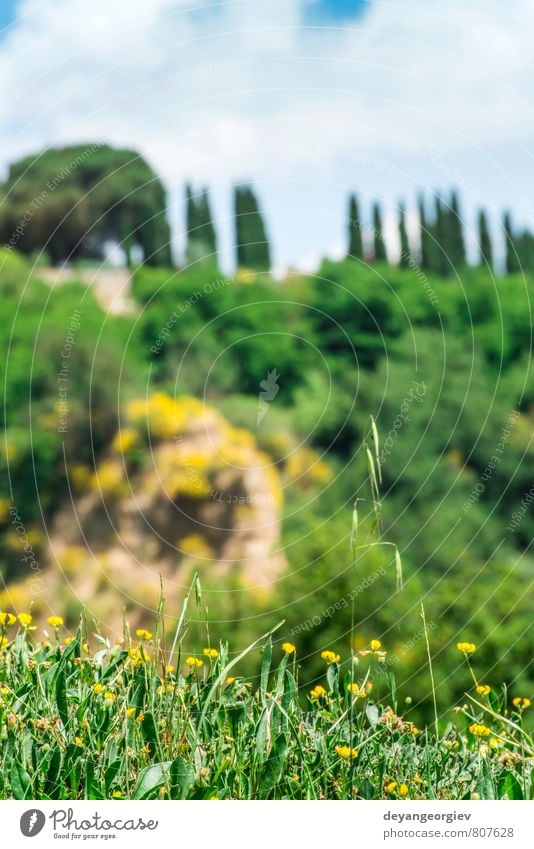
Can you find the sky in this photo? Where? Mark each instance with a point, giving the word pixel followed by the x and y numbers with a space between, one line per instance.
pixel 309 99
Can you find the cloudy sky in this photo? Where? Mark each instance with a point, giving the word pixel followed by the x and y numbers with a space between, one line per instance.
pixel 307 98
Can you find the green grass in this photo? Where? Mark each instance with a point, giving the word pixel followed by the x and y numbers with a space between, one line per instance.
pixel 114 721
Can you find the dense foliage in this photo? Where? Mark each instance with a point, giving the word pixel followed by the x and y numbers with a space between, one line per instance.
pixel 129 720
pixel 442 364
pixel 71 201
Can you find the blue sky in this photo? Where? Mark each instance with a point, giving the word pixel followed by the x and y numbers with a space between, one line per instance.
pixel 392 97
pixel 8 10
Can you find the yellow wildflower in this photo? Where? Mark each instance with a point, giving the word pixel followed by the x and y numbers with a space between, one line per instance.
pixel 97 688
pixel 391 787
pixel 194 661
pixel 55 621
pixel 68 640
pixel 288 648
pixel 7 619
pixel 466 648
pixel 483 689
pixel 78 741
pixel 346 752
pixel 521 703
pixel 330 656
pixel 169 669
pixel 375 645
pixel 140 718
pixel 130 712
pixel 230 680
pixel 25 619
pixel 211 653
pixel 403 790
pixel 110 697
pixel 143 634
pixel 357 691
pixel 317 693
pixel 117 794
pixel 479 730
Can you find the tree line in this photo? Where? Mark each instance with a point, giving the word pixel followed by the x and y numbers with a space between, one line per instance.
pixel 71 202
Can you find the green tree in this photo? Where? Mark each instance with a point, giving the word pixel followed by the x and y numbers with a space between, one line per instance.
pixel 378 235
pixel 456 242
pixel 403 238
pixel 512 260
pixel 426 240
pixel 201 236
pixel 71 201
pixel 252 245
pixel 355 229
pixel 484 241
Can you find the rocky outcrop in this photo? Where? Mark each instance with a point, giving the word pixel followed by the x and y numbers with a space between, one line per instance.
pixel 179 491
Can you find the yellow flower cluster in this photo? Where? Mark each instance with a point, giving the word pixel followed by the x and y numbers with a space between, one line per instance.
pixel 163 416
pixel 143 634
pixel 7 619
pixel 213 654
pixel 346 752
pixel 195 546
pixel 330 656
pixel 466 648
pixel 55 621
pixel 194 662
pixel 375 649
pixel 357 691
pixel 521 703
pixel 25 619
pixel 109 479
pixel 317 693
pixel 402 789
pixel 124 440
pixel 483 689
pixel 479 730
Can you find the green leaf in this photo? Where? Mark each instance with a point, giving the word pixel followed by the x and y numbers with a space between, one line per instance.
pixel 150 732
pixel 53 781
pixel 274 767
pixel 372 715
pixel 266 665
pixel 485 786
pixel 92 787
pixel 150 779
pixel 61 697
pixel 262 732
pixel 20 782
pixel 182 777
pixel 510 788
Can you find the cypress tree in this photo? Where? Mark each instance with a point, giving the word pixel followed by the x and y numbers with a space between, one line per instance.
pixel 524 244
pixel 201 237
pixel 512 262
pixel 425 235
pixel 252 245
pixel 484 241
pixel 403 238
pixel 378 235
pixel 355 230
pixel 208 235
pixel 441 266
pixel 455 242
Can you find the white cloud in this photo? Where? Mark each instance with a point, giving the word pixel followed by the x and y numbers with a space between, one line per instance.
pixel 242 90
